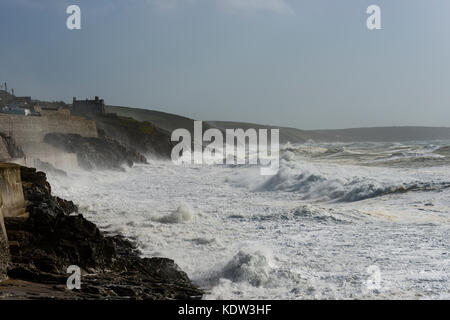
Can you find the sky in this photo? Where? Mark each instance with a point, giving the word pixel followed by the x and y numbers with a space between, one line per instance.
pixel 309 64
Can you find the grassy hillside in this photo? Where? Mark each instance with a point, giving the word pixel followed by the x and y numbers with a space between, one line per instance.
pixel 170 122
pixel 375 134
pixel 142 136
pixel 166 121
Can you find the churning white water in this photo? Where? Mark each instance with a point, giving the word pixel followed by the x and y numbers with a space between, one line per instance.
pixel 315 230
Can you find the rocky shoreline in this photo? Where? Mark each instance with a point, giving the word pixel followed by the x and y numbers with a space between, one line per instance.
pixel 55 236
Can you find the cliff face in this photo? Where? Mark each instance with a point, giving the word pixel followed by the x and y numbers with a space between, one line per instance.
pixel 142 136
pixel 54 237
pixel 95 153
pixel 166 121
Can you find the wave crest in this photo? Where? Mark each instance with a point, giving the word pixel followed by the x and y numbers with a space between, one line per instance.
pixel 346 185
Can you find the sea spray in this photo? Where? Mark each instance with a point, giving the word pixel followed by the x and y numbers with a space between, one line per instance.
pixel 182 214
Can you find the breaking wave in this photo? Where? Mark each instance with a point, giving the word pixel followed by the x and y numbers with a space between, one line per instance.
pixel 443 151
pixel 332 183
pixel 182 214
pixel 355 188
pixel 245 267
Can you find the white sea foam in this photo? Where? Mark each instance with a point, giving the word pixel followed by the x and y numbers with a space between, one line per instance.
pixel 299 234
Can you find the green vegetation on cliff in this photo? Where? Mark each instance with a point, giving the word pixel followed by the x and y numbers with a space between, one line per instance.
pixel 142 136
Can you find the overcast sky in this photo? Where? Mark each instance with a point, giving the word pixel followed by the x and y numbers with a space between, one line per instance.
pixel 300 63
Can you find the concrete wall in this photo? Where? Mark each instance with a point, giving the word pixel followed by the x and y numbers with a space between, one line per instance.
pixel 27 129
pixel 12 199
pixel 51 112
pixel 4 152
pixel 12 204
pixel 28 132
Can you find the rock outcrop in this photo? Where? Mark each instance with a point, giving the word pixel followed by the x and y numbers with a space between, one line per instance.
pixel 95 153
pixel 142 136
pixel 55 237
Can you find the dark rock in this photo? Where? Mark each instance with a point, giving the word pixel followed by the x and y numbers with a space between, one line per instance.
pixel 4 252
pixel 142 136
pixel 56 241
pixel 38 194
pixel 95 153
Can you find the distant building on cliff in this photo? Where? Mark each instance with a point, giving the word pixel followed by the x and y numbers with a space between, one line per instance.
pixel 88 107
pixel 12 109
pixel 8 98
pixel 24 101
pixel 10 104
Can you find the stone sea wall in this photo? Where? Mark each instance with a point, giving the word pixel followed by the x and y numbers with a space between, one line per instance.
pixel 12 200
pixel 12 204
pixel 29 132
pixel 27 129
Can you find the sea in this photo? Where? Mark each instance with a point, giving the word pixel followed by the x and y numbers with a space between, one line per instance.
pixel 338 221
